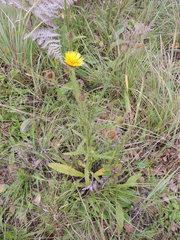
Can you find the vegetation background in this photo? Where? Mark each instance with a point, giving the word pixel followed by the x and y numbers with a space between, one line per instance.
pixel 126 135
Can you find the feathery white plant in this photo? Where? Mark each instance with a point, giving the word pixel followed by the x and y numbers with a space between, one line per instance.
pixel 138 33
pixel 46 11
pixel 47 39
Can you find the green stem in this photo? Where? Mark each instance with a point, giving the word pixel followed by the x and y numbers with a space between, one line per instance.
pixel 67 17
pixel 88 154
pixel 86 172
pixel 76 87
pixel 54 81
pixel 84 121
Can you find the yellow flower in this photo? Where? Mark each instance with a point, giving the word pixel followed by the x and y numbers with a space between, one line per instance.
pixel 73 59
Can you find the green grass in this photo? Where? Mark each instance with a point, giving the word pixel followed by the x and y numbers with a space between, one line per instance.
pixel 132 92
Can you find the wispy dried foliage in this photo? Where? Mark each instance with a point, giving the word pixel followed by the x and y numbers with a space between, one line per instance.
pixel 137 34
pixel 46 11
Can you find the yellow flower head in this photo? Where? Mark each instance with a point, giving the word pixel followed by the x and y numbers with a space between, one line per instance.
pixel 73 59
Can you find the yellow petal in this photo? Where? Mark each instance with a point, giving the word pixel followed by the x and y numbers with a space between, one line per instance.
pixel 73 59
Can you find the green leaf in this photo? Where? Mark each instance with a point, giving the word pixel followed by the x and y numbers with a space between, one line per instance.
pixel 132 181
pixel 117 43
pixel 2 77
pixel 79 37
pixel 78 134
pixel 65 169
pixel 9 236
pixel 100 172
pixel 76 153
pixel 102 156
pixel 120 29
pixel 90 59
pixel 65 88
pixel 119 216
pixel 13 73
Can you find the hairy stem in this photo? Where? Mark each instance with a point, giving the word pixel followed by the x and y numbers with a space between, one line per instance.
pixel 85 123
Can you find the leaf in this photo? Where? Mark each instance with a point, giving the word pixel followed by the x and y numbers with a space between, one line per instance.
pixel 2 76
pixel 9 236
pixel 79 37
pixel 119 216
pixel 104 171
pixel 65 88
pixel 100 172
pixel 120 29
pixel 117 43
pixel 26 125
pixel 102 156
pixel 37 200
pixel 2 188
pixel 76 153
pixel 129 228
pixel 90 59
pixel 117 170
pixel 47 39
pixel 13 73
pixel 50 75
pixel 77 133
pixel 81 164
pixel 65 169
pixel 132 181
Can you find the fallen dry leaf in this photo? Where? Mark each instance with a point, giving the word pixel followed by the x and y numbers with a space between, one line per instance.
pixel 36 163
pixel 49 75
pixel 37 200
pixel 173 187
pixel 104 116
pixel 175 227
pixel 12 208
pixel 12 169
pixel 129 228
pixel 111 134
pixel 82 97
pixel 5 129
pixel 152 210
pixel 70 36
pixel 2 188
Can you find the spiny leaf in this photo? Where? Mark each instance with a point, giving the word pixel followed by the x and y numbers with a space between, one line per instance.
pixel 65 169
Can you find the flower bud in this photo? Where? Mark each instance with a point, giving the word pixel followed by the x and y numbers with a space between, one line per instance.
pixel 124 47
pixel 49 75
pixel 111 134
pixel 81 97
pixel 104 116
pixel 139 45
pixel 70 36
